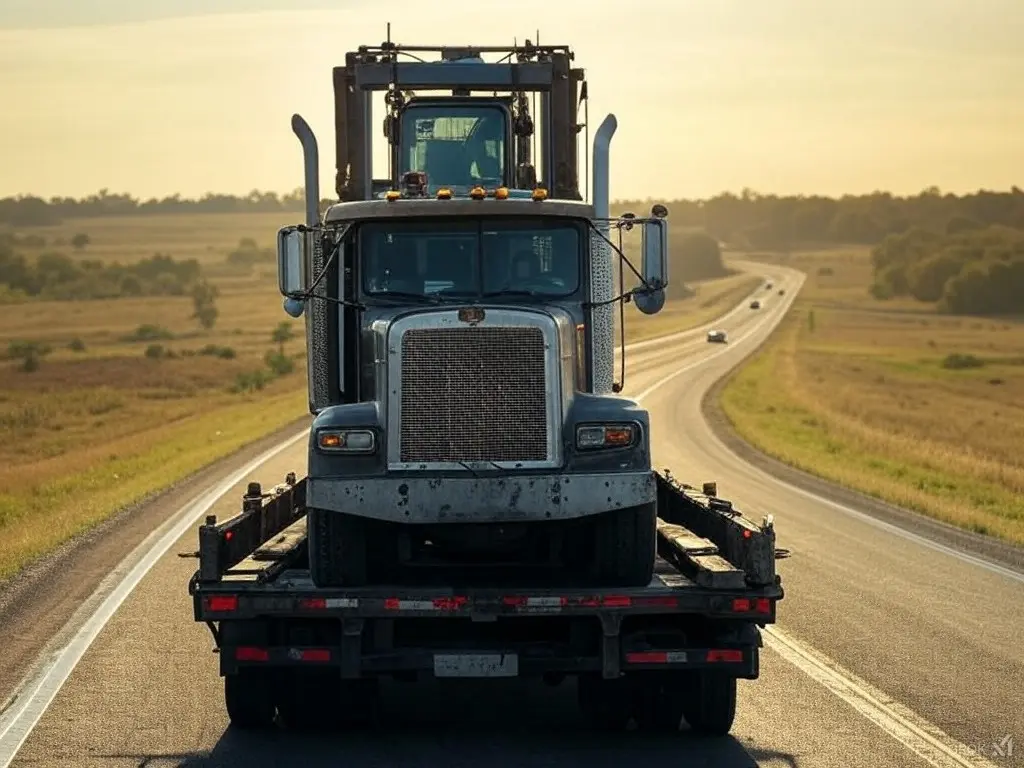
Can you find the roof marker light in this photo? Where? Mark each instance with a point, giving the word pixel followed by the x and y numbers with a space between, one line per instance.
pixel 392 195
pixel 539 194
pixel 444 194
pixel 478 193
pixel 501 193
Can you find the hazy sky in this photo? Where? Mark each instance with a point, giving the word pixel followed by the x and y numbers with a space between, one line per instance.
pixel 778 95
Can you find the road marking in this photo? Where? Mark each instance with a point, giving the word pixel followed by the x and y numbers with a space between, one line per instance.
pixel 912 731
pixel 34 699
pixel 891 528
pixel 921 737
pixel 978 561
pixel 774 318
pixel 924 739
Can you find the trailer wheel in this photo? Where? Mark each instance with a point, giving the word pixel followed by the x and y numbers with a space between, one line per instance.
pixel 249 699
pixel 625 546
pixel 659 700
pixel 345 550
pixel 711 706
pixel 604 703
pixel 308 699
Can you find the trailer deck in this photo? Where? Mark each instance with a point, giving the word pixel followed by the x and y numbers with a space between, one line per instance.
pixel 674 647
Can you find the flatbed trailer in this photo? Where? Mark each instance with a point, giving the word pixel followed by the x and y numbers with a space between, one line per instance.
pixel 654 655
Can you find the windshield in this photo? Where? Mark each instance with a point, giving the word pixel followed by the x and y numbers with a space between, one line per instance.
pixel 471 257
pixel 458 146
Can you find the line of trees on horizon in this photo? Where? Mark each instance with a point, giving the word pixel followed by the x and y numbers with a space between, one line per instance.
pixel 749 218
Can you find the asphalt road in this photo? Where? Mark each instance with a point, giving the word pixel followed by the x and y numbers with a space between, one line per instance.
pixel 888 652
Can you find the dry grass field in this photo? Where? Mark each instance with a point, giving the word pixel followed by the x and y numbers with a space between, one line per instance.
pixel 920 409
pixel 102 423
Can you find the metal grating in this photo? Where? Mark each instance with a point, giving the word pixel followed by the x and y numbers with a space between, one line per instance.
pixel 473 394
pixel 602 329
pixel 317 337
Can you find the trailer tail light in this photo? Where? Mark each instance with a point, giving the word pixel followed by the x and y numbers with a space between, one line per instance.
pixel 251 653
pixel 726 655
pixel 221 603
pixel 746 605
pixel 313 604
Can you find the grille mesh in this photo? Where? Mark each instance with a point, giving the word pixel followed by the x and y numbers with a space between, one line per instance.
pixel 473 394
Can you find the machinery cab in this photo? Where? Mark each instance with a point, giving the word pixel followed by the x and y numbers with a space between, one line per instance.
pixel 458 143
pixel 461 120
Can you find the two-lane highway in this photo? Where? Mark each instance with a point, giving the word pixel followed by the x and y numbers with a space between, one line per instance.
pixel 925 631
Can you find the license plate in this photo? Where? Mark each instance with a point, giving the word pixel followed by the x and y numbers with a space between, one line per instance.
pixel 476 665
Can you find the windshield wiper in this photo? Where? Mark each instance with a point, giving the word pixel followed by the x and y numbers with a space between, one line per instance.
pixel 513 292
pixel 396 295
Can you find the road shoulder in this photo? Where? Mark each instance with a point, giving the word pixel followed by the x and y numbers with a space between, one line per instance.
pixel 39 601
pixel 966 541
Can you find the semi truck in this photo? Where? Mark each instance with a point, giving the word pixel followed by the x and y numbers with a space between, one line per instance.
pixel 479 499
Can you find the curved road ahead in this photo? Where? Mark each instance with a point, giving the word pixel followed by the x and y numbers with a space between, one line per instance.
pixel 888 653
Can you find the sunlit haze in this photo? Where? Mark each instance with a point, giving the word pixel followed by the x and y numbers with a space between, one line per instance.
pixel 787 96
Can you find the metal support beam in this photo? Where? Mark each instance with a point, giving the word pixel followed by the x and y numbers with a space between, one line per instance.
pixel 533 76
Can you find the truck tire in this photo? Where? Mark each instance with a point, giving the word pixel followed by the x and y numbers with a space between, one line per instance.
pixel 606 704
pixel 310 699
pixel 625 545
pixel 249 692
pixel 711 706
pixel 249 699
pixel 347 551
pixel 659 701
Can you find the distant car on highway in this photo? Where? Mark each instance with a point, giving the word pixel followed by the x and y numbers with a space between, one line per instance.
pixel 718 337
pixel 755 304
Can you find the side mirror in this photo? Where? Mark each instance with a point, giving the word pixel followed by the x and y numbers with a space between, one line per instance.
pixel 651 297
pixel 294 257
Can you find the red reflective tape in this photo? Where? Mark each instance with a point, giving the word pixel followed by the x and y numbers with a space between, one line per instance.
pixel 741 605
pixel 222 603
pixel 589 602
pixel 450 603
pixel 659 602
pixel 513 601
pixel 316 654
pixel 313 603
pixel 647 657
pixel 392 604
pixel 616 601
pixel 764 605
pixel 725 655
pixel 251 653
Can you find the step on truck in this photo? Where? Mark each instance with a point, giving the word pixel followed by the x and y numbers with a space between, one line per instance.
pixel 479 498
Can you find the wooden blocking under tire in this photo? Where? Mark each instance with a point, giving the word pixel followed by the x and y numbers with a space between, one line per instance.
pixel 625 543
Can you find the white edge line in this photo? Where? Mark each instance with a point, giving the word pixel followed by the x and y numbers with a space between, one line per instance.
pixel 31 702
pixel 878 523
pixel 921 737
pixel 30 705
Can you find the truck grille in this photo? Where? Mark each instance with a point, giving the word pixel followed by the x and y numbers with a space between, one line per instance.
pixel 473 394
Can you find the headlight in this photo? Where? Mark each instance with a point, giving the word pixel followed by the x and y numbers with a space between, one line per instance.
pixel 346 440
pixel 591 436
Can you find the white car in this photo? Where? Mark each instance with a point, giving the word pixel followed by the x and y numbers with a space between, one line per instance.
pixel 718 337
